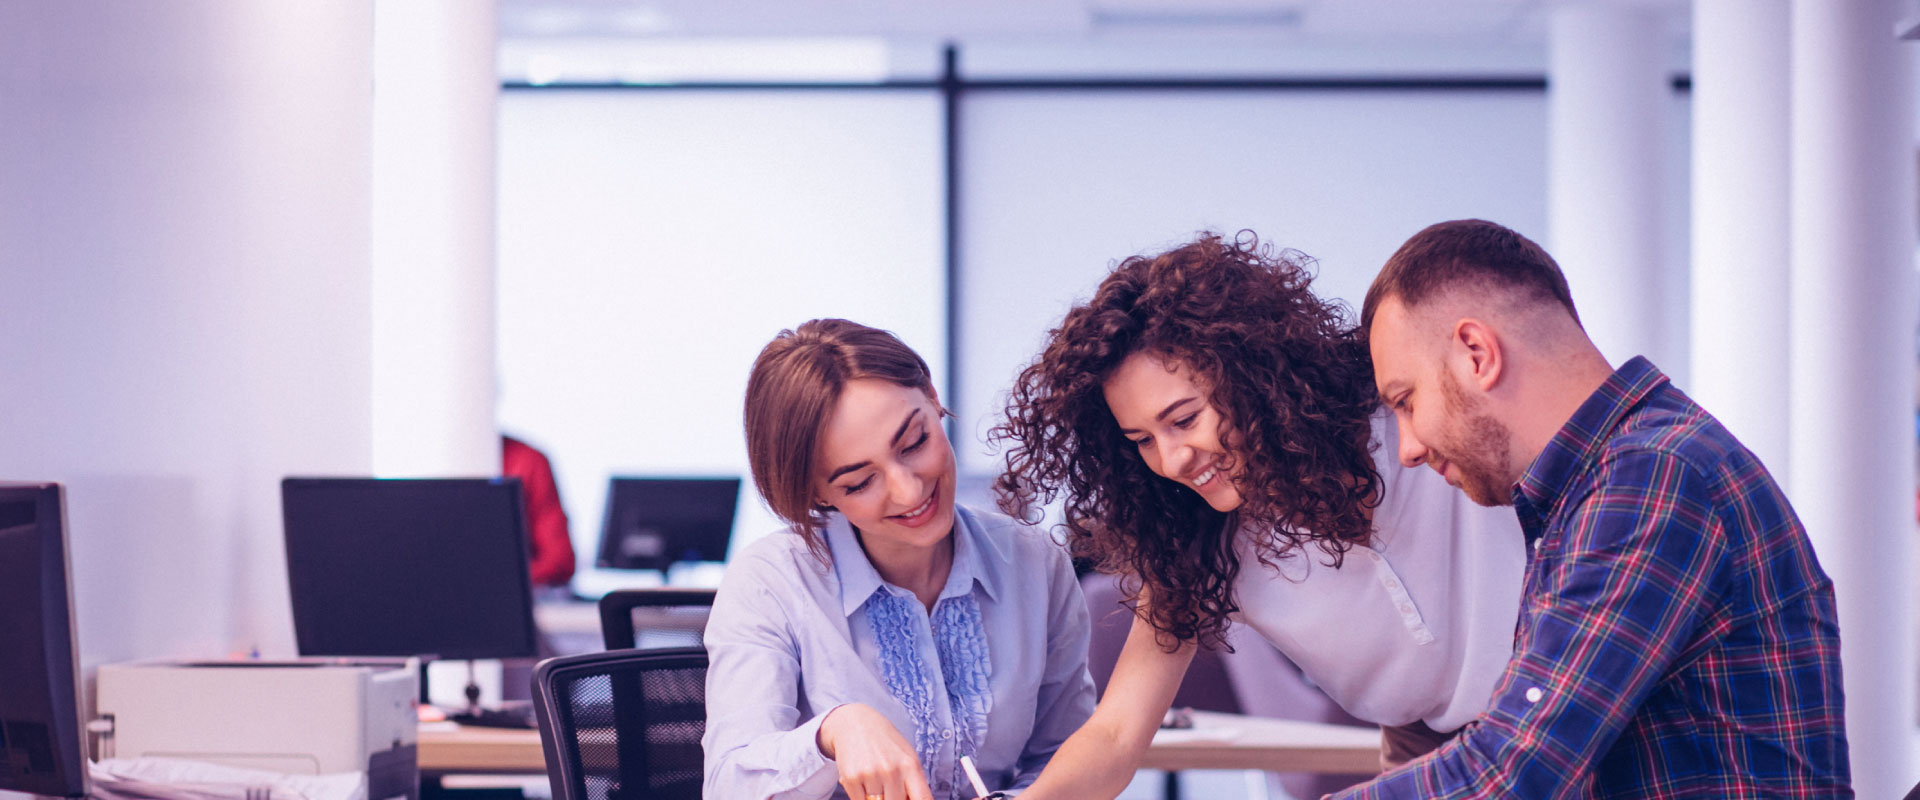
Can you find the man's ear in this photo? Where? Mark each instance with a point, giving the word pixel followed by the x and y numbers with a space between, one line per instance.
pixel 1480 354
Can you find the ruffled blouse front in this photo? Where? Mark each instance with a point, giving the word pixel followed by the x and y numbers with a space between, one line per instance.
pixel 960 639
pixel 996 670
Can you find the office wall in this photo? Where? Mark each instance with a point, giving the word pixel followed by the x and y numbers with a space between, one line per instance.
pixel 434 108
pixel 652 242
pixel 1058 186
pixel 611 202
pixel 184 226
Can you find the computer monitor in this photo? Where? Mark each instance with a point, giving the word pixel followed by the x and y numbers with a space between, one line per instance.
pixel 388 567
pixel 42 744
pixel 654 523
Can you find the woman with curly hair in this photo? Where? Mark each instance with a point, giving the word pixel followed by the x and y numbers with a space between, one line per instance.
pixel 1215 433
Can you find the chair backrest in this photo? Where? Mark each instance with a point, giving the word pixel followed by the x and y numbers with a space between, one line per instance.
pixel 1206 687
pixel 623 724
pixel 654 618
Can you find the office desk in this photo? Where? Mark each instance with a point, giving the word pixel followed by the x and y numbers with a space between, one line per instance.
pixel 448 747
pixel 583 618
pixel 1217 741
pixel 1232 741
pixel 567 618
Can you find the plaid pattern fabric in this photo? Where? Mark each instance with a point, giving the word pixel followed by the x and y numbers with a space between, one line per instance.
pixel 1677 637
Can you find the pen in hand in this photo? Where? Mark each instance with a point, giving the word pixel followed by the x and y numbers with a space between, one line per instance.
pixel 979 786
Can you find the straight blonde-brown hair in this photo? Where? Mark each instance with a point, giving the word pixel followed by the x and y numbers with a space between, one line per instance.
pixel 795 384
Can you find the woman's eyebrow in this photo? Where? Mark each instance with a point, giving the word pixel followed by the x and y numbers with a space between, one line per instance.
pixel 1171 407
pixel 903 426
pixel 902 431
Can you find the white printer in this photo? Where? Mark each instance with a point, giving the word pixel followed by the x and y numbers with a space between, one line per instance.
pixel 304 716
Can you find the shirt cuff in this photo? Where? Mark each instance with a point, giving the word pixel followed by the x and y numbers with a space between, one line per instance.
pixel 808 770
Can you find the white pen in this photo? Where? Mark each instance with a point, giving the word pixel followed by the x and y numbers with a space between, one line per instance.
pixel 979 786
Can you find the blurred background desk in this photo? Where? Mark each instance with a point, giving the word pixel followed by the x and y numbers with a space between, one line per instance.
pixel 1217 741
pixel 1234 741
pixel 447 747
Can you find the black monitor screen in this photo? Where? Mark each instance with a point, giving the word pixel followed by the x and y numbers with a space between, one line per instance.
pixel 652 523
pixel 40 734
pixel 408 567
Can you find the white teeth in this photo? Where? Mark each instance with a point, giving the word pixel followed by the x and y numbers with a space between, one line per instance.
pixel 921 510
pixel 1203 478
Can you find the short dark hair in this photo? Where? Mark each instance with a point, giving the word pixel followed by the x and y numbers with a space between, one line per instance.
pixel 1467 253
pixel 794 386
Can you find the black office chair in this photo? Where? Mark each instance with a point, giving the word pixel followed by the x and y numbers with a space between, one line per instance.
pixel 623 724
pixel 654 618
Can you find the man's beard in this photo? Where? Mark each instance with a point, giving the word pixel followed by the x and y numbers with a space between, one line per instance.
pixel 1477 447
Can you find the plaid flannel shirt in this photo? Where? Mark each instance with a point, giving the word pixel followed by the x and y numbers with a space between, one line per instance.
pixel 1677 637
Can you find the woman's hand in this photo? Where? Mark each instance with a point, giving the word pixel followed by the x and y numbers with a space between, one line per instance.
pixel 1098 760
pixel 874 760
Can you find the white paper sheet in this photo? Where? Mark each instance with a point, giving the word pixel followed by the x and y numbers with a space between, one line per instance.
pixel 181 779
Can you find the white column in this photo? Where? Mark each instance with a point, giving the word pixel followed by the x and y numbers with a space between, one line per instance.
pixel 1740 220
pixel 434 93
pixel 1607 86
pixel 184 206
pixel 1853 318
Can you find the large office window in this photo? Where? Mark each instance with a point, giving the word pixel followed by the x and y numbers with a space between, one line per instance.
pixel 652 241
pixel 658 236
pixel 1058 185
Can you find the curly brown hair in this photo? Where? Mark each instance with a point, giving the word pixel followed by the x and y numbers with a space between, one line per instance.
pixel 1287 371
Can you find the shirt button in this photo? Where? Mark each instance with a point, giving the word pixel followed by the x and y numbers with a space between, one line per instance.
pixel 1373 555
pixel 949 734
pixel 1534 694
pixel 1393 584
pixel 1406 609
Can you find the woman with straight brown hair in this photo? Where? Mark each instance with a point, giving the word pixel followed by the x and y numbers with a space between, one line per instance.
pixel 889 632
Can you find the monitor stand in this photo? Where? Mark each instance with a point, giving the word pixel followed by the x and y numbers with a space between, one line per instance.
pixel 510 713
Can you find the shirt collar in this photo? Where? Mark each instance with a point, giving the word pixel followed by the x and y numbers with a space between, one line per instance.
pixel 1580 440
pixel 977 560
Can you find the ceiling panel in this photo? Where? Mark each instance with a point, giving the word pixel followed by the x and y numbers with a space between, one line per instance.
pixel 1346 20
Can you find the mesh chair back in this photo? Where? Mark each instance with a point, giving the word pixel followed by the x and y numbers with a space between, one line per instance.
pixel 654 618
pixel 623 725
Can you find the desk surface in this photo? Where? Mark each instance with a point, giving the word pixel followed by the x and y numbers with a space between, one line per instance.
pixel 450 747
pixel 579 618
pixel 1217 741
pixel 1231 741
pixel 576 617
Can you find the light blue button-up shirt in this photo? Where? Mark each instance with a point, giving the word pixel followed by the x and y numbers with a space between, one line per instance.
pixel 1000 664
